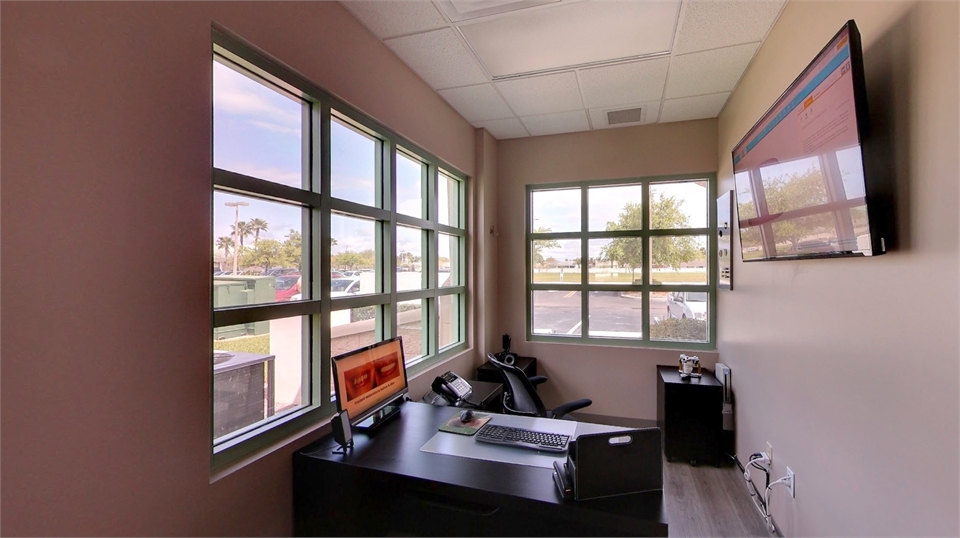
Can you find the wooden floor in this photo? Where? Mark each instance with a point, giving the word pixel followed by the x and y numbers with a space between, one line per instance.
pixel 709 501
pixel 703 500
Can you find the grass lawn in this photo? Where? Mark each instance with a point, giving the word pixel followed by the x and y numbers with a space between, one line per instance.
pixel 573 277
pixel 245 344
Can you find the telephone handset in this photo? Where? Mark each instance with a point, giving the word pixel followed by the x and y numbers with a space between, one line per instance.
pixel 452 387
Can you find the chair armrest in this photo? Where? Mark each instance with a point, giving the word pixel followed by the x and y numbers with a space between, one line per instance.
pixel 537 379
pixel 563 409
pixel 511 411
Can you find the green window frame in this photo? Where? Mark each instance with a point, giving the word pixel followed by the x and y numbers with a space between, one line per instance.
pixel 442 295
pixel 578 290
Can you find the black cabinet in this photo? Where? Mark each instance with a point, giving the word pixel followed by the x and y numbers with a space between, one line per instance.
pixel 690 413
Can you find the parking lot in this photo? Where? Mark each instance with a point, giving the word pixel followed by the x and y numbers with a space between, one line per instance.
pixel 558 312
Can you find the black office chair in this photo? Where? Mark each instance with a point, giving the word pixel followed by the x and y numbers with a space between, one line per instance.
pixel 521 398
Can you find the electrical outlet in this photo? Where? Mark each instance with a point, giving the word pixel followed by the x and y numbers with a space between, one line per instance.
pixel 791 483
pixel 770 452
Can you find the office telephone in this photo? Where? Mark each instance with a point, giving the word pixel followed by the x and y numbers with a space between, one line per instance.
pixel 452 388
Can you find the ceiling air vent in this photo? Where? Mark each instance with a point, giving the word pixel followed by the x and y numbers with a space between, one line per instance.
pixel 630 115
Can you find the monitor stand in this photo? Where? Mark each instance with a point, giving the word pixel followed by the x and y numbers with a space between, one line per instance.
pixel 381 417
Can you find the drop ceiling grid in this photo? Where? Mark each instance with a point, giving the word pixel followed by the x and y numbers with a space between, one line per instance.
pixel 711 71
pixel 438 49
pixel 563 122
pixel 711 25
pixel 439 58
pixel 693 108
pixel 545 94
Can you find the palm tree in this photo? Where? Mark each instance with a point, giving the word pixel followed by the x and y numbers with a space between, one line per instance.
pixel 257 226
pixel 225 243
pixel 242 229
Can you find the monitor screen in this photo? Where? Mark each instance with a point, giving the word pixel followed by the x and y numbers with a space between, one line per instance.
pixel 800 184
pixel 369 378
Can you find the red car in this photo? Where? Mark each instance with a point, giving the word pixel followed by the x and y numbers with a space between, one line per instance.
pixel 286 287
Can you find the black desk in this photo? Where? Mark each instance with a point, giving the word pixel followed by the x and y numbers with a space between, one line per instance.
pixel 387 486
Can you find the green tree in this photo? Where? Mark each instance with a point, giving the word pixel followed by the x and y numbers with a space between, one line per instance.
pixel 541 244
pixel 241 229
pixel 293 249
pixel 257 226
pixel 225 243
pixel 266 254
pixel 670 251
pixel 348 260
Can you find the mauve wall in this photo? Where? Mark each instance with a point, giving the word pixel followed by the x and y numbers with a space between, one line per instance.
pixel 106 216
pixel 849 367
pixel 620 381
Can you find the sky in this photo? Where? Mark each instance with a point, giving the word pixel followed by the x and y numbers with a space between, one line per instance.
pixel 258 132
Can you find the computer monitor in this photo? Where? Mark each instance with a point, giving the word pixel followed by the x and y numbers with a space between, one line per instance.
pixel 370 381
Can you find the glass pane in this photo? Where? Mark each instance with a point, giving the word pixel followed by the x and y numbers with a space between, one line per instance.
pixel 448 200
pixel 556 261
pixel 410 327
pixel 556 312
pixel 353 159
pixel 353 259
pixel 615 314
pixel 257 128
pixel 686 317
pixel 555 211
pixel 267 265
pixel 449 325
pixel 257 372
pixel 678 259
pixel 625 202
pixel 448 262
pixel 677 205
pixel 354 328
pixel 616 261
pixel 409 258
pixel 410 174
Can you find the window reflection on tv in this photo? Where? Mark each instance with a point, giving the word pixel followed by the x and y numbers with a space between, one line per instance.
pixel 800 183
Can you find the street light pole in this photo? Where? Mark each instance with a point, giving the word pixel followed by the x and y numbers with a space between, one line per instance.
pixel 236 230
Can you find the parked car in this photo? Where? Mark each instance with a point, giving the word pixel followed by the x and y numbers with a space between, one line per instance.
pixel 336 274
pixel 286 287
pixel 687 305
pixel 340 287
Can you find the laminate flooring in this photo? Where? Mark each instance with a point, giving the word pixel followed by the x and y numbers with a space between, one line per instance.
pixel 703 500
pixel 709 501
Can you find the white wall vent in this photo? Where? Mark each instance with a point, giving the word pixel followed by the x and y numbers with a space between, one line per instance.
pixel 630 115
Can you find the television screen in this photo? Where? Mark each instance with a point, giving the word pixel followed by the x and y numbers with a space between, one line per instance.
pixel 367 379
pixel 799 172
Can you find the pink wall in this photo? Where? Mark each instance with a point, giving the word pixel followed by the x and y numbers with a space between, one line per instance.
pixel 106 212
pixel 849 367
pixel 620 381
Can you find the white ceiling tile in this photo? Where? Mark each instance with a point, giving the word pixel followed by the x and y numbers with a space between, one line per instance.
pixel 504 129
pixel 712 71
pixel 439 58
pixel 389 19
pixel 564 122
pixel 569 34
pixel 477 103
pixel 461 10
pixel 693 108
pixel 545 94
pixel 710 24
pixel 624 83
pixel 651 112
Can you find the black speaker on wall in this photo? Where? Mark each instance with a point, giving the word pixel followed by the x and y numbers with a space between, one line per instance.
pixel 342 432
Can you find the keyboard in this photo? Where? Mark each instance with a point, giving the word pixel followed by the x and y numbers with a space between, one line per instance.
pixel 519 437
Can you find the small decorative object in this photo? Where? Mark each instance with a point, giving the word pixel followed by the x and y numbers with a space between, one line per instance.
pixel 689 366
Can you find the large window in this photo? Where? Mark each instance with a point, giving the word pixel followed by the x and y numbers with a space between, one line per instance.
pixel 330 232
pixel 622 262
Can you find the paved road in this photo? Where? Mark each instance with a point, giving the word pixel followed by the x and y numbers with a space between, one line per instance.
pixel 558 312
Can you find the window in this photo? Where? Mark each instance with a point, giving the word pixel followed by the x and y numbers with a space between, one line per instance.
pixel 622 262
pixel 330 232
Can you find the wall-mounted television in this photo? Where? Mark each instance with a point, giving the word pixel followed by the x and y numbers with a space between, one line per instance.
pixel 803 186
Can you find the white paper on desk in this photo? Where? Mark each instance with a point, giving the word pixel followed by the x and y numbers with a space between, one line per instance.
pixel 451 444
